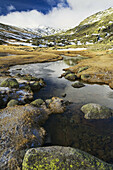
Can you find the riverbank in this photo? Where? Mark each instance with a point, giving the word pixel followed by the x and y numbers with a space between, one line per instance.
pixel 17 55
pixel 96 69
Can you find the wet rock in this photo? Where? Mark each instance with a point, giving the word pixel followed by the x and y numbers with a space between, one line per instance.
pixel 58 157
pixel 37 102
pixel 28 77
pixel 78 85
pixel 22 96
pixel 35 86
pixel 48 101
pixel 10 82
pixel 71 77
pixel 66 73
pixel 42 83
pixel 25 86
pixel 12 103
pixel 57 105
pixel 20 129
pixel 64 95
pixel 82 69
pixel 96 111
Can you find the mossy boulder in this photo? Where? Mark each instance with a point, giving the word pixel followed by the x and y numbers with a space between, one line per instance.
pixel 10 82
pixel 29 77
pixel 96 111
pixel 71 77
pixel 12 102
pixel 37 102
pixel 78 85
pixel 36 86
pixel 82 69
pixel 59 158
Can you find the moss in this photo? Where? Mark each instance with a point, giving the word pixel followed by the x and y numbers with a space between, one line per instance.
pixel 12 103
pixel 37 102
pixel 10 82
pixel 71 77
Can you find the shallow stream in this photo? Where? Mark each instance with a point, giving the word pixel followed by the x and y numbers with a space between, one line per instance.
pixel 70 128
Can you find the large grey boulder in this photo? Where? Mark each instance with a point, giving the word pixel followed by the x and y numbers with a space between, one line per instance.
pixel 96 111
pixel 60 158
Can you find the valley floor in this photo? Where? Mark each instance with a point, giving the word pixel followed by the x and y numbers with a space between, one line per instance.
pixel 97 68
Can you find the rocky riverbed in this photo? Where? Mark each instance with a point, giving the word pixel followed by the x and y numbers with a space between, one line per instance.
pixel 31 117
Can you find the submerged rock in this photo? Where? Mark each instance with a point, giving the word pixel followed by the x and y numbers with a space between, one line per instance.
pixel 58 157
pixel 96 111
pixel 10 82
pixel 71 77
pixel 57 105
pixel 78 85
pixel 20 129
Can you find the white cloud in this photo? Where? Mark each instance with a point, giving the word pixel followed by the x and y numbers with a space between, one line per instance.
pixel 11 8
pixel 60 16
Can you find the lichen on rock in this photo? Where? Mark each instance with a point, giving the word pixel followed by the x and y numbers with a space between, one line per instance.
pixel 96 111
pixel 59 158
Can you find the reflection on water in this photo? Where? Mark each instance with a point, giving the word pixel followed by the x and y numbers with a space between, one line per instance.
pixel 71 61
pixel 70 128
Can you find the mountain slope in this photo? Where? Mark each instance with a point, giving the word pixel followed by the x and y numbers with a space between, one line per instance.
pixel 96 28
pixel 12 34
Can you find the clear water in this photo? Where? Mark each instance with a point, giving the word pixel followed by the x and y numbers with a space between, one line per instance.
pixel 70 128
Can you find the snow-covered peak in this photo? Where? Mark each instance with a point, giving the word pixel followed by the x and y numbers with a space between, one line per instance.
pixel 44 30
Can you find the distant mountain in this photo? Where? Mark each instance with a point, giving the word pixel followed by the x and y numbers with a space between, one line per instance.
pixel 44 30
pixel 15 35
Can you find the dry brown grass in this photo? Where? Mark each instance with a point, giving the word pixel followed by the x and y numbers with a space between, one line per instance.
pixel 100 66
pixel 100 63
pixel 24 55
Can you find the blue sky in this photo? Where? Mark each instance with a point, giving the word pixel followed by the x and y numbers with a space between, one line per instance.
pixel 43 6
pixel 54 13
